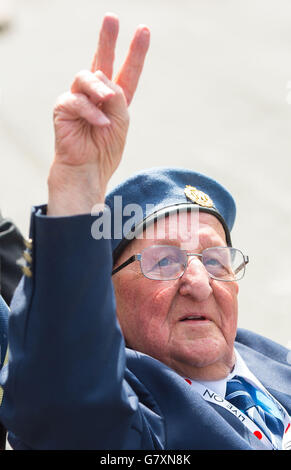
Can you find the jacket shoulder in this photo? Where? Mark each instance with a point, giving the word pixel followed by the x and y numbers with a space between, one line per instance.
pixel 269 361
pixel 262 345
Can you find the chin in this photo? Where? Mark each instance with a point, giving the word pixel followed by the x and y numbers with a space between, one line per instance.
pixel 204 353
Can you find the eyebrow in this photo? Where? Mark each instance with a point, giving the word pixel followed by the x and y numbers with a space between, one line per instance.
pixel 166 241
pixel 179 243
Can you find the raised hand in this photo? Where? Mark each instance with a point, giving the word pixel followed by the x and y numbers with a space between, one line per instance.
pixel 91 123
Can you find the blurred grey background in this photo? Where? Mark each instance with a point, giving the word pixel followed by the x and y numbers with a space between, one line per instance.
pixel 215 96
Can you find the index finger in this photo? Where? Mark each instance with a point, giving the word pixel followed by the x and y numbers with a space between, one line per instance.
pixel 104 56
pixel 129 74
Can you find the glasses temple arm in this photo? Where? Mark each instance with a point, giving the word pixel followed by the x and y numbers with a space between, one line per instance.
pixel 123 265
pixel 245 261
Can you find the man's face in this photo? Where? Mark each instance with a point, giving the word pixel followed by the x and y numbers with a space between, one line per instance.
pixel 152 312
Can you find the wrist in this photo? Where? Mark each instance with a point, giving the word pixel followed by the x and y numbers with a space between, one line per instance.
pixel 74 190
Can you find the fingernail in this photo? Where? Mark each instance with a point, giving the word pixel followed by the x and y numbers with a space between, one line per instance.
pixel 102 120
pixel 103 90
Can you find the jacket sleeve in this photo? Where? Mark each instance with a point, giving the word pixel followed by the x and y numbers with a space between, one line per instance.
pixel 3 358
pixel 11 249
pixel 65 387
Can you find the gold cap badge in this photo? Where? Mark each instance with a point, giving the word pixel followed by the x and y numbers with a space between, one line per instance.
pixel 198 197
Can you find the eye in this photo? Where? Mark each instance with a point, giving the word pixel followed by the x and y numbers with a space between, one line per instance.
pixel 166 264
pixel 216 266
pixel 213 262
pixel 166 261
pixel 223 263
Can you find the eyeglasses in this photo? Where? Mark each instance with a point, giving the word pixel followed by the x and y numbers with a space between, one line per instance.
pixel 169 262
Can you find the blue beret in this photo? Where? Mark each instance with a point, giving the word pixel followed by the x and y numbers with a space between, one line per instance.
pixel 153 191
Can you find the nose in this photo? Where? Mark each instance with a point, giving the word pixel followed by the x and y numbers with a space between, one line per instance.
pixel 195 280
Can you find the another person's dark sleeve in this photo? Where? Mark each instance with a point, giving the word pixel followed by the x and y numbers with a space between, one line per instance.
pixel 11 249
pixel 3 357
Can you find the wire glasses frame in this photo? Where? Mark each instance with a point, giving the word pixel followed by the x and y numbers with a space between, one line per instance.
pixel 169 262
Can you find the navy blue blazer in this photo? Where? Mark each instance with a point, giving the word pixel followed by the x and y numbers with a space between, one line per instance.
pixel 71 382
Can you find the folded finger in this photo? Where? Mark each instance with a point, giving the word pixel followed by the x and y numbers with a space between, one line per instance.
pixel 72 106
pixel 89 84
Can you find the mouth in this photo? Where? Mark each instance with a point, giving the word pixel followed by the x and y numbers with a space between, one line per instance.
pixel 187 318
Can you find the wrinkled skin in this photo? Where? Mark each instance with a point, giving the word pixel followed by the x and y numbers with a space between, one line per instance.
pixel 91 123
pixel 150 312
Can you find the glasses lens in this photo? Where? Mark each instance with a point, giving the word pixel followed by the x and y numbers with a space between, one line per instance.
pixel 163 262
pixel 224 263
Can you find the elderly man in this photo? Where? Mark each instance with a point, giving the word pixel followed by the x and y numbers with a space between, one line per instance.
pixel 141 352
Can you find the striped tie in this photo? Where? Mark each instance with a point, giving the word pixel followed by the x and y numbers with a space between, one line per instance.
pixel 258 406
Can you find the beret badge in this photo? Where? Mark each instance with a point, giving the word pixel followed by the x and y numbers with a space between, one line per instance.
pixel 198 197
